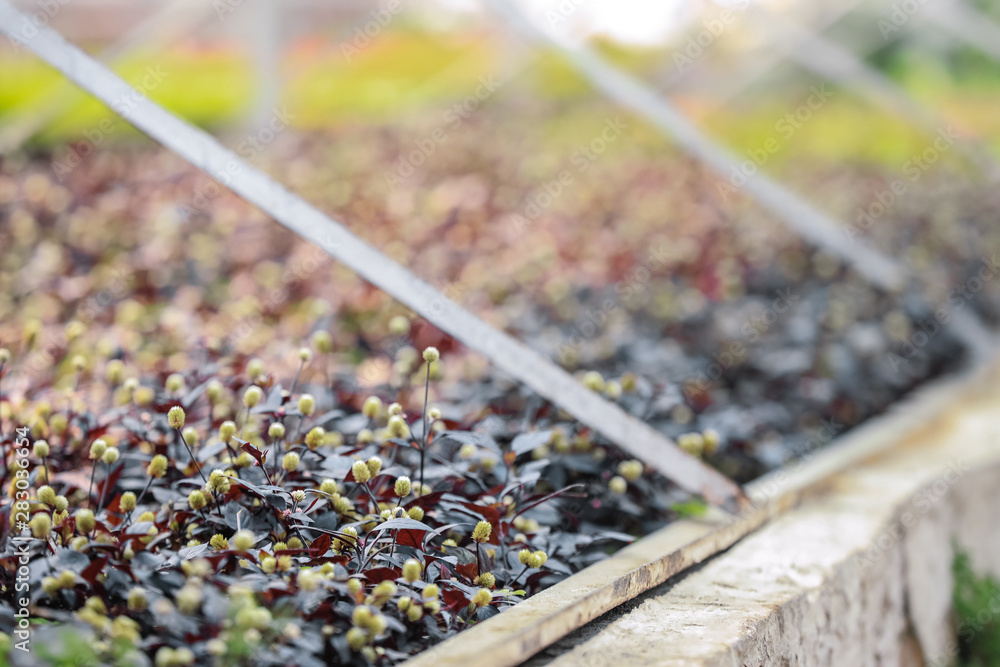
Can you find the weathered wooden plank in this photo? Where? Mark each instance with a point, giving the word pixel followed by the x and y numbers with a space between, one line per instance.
pixel 520 632
pixel 290 210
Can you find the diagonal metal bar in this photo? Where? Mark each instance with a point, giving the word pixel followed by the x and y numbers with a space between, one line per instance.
pixel 509 355
pixel 794 211
pixel 824 57
pixel 798 214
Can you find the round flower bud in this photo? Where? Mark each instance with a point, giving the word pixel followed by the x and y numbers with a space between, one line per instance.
pixel 315 437
pixel 4 355
pixel 218 542
pixel 322 341
pixel 214 391
pixel 47 495
pixel 371 407
pixel 276 430
pixel 356 638
pixel 431 354
pixel 711 439
pixel 482 597
pixel 361 472
pixel 143 396
pixel 486 580
pixel 524 556
pixel 243 540
pixel 434 414
pixel 307 404
pixel 354 586
pixel 432 607
pixel 298 495
pixel 190 435
pixel 467 451
pixel 188 599
pixel 227 430
pixel 158 466
pixel 41 449
pixel 394 409
pixel 415 612
pixel 197 500
pixel 593 380
pixel 374 465
pixel 630 470
pixel 538 559
pixel 255 368
pixel 305 354
pixel 613 390
pixel 175 417
pixel 629 382
pixel 127 501
pixel 481 532
pixel 329 486
pixel 41 525
pixel 110 455
pixel 398 427
pixel 66 579
pixel 618 485
pixel 50 585
pixel 61 503
pixel 137 600
pixel 411 570
pixel 416 513
pixel 399 325
pixel 290 462
pixel 252 396
pixel 365 436
pixel 97 448
pixel 174 383
pixel 85 521
pixel 79 362
pixel 402 486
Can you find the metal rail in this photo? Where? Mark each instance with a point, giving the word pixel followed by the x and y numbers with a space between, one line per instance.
pixel 509 355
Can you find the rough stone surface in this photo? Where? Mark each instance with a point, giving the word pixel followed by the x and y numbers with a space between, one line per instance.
pixel 857 575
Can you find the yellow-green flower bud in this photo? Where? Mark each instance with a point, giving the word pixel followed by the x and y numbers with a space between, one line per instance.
pixel 482 597
pixel 41 449
pixel 482 531
pixel 110 455
pixel 394 409
pixel 127 502
pixel 197 500
pixel 431 591
pixel 290 462
pixel 486 580
pixel 365 436
pixel 4 355
pixel 218 542
pixel 402 486
pixel 174 383
pixel 305 354
pixel 190 436
pixel 374 465
pixel 398 427
pixel 524 556
pixel 329 486
pixel 307 404
pixel 416 513
pixel 137 600
pixel 411 570
pixel 354 586
pixel 41 525
pixel 227 430
pixel 175 417
pixel 322 341
pixel 252 396
pixel 315 436
pixel 434 414
pixel 630 470
pixel 431 354
pixel 356 638
pixel 255 368
pixel 243 540
pixel 97 448
pixel 371 407
pixel 276 430
pixel 158 466
pixel 361 472
pixel 618 485
pixel 47 495
pixel 399 325
pixel 214 391
pixel 85 521
pixel 593 381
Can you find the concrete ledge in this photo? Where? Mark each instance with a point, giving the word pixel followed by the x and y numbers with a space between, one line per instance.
pixel 858 574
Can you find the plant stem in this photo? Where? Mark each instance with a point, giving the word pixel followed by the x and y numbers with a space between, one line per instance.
pixel 107 480
pixel 191 454
pixel 427 388
pixel 90 491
